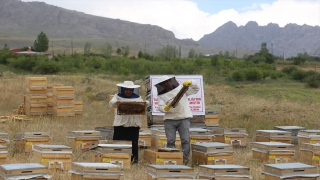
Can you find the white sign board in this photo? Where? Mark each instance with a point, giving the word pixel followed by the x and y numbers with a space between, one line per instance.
pixel 196 101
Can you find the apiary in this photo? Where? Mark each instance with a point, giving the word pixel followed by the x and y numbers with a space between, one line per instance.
pixel 3 154
pixel 118 154
pixel 94 171
pixel 224 172
pixel 81 139
pixel 144 139
pixel 233 136
pixel 52 156
pixel 273 136
pixel 24 171
pixel 167 156
pixel 163 172
pixel 310 153
pixel 212 153
pixel 200 135
pixel 24 141
pixel 4 139
pixel 292 171
pixel 273 152
pixel 308 136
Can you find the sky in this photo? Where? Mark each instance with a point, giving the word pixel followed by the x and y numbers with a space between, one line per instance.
pixel 192 19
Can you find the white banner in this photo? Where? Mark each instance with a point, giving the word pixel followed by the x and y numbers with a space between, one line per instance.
pixel 196 101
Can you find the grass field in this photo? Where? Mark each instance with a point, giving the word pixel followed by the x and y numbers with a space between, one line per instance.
pixel 251 106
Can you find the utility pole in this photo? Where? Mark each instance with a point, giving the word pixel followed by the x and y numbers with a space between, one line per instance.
pixel 272 48
pixel 72 46
pixel 52 48
pixel 236 52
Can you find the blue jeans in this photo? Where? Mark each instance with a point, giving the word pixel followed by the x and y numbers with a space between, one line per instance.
pixel 182 126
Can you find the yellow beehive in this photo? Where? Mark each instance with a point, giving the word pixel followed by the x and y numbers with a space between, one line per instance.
pixel 224 172
pixel 308 136
pixel 144 139
pixel 78 107
pixel 36 109
pixel 52 156
pixel 118 154
pixel 25 141
pixel 273 136
pixel 273 152
pixel 3 154
pixel 36 90
pixel 163 172
pixel 233 136
pixel 212 153
pixel 82 138
pixel 4 139
pixel 63 91
pixel 34 99
pixel 95 171
pixel 200 135
pixel 292 171
pixel 24 171
pixel 36 81
pixel 168 156
pixel 310 153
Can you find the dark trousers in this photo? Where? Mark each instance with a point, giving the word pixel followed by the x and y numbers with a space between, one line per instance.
pixel 128 134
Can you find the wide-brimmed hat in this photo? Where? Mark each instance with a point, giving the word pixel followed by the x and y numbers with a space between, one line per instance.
pixel 163 78
pixel 128 84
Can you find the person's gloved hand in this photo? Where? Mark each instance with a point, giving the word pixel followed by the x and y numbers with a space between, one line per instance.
pixel 166 107
pixel 187 83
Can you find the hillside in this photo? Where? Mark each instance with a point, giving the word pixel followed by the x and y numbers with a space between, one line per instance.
pixel 290 40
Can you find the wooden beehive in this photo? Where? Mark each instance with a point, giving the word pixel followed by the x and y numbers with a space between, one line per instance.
pixel 4 139
pixel 200 135
pixel 81 139
pixel 212 153
pixel 212 118
pixel 95 171
pixel 308 136
pixel 36 99
pixel 63 101
pixel 273 136
pixel 78 107
pixel 292 171
pixel 63 91
pixel 36 109
pixel 50 87
pixel 160 141
pixel 63 111
pixel 233 136
pixel 310 154
pixel 36 90
pixel 52 156
pixel 273 152
pixel 36 81
pixel 118 154
pixel 3 154
pixel 162 172
pixel 224 172
pixel 24 141
pixel 131 108
pixel 144 139
pixel 166 156
pixel 24 171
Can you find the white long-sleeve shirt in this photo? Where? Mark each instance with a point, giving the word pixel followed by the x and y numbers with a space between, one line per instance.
pixel 126 120
pixel 182 109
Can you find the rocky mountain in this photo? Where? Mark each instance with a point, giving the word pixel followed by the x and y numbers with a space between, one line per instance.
pixel 288 40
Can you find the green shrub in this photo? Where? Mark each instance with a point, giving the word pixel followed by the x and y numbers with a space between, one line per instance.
pixel 238 76
pixel 253 74
pixel 289 69
pixel 46 67
pixel 313 81
pixel 298 75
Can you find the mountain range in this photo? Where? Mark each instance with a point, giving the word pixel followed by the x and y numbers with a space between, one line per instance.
pixel 21 22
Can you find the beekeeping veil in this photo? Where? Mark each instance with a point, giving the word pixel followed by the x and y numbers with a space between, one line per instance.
pixel 160 88
pixel 130 85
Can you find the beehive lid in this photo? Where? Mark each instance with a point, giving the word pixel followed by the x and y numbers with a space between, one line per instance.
pixel 273 133
pixel 273 146
pixel 229 131
pixel 212 147
pixel 78 133
pixel 225 170
pixel 199 131
pixel 104 169
pixel 122 146
pixel 95 144
pixel 23 170
pixel 166 171
pixel 311 147
pixel 289 128
pixel 52 148
pixel 314 133
pixel 169 167
pixel 144 133
pixel 26 135
pixel 287 170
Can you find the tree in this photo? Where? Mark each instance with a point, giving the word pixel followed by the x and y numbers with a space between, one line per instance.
pixel 87 48
pixel 179 53
pixel 126 51
pixel 106 49
pixel 41 44
pixel 6 47
pixel 118 51
pixel 263 48
pixel 192 53
pixel 140 54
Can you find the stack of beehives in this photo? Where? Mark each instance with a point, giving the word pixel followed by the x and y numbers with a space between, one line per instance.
pixel 56 99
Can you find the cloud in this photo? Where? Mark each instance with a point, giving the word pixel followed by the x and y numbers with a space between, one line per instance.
pixel 186 20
